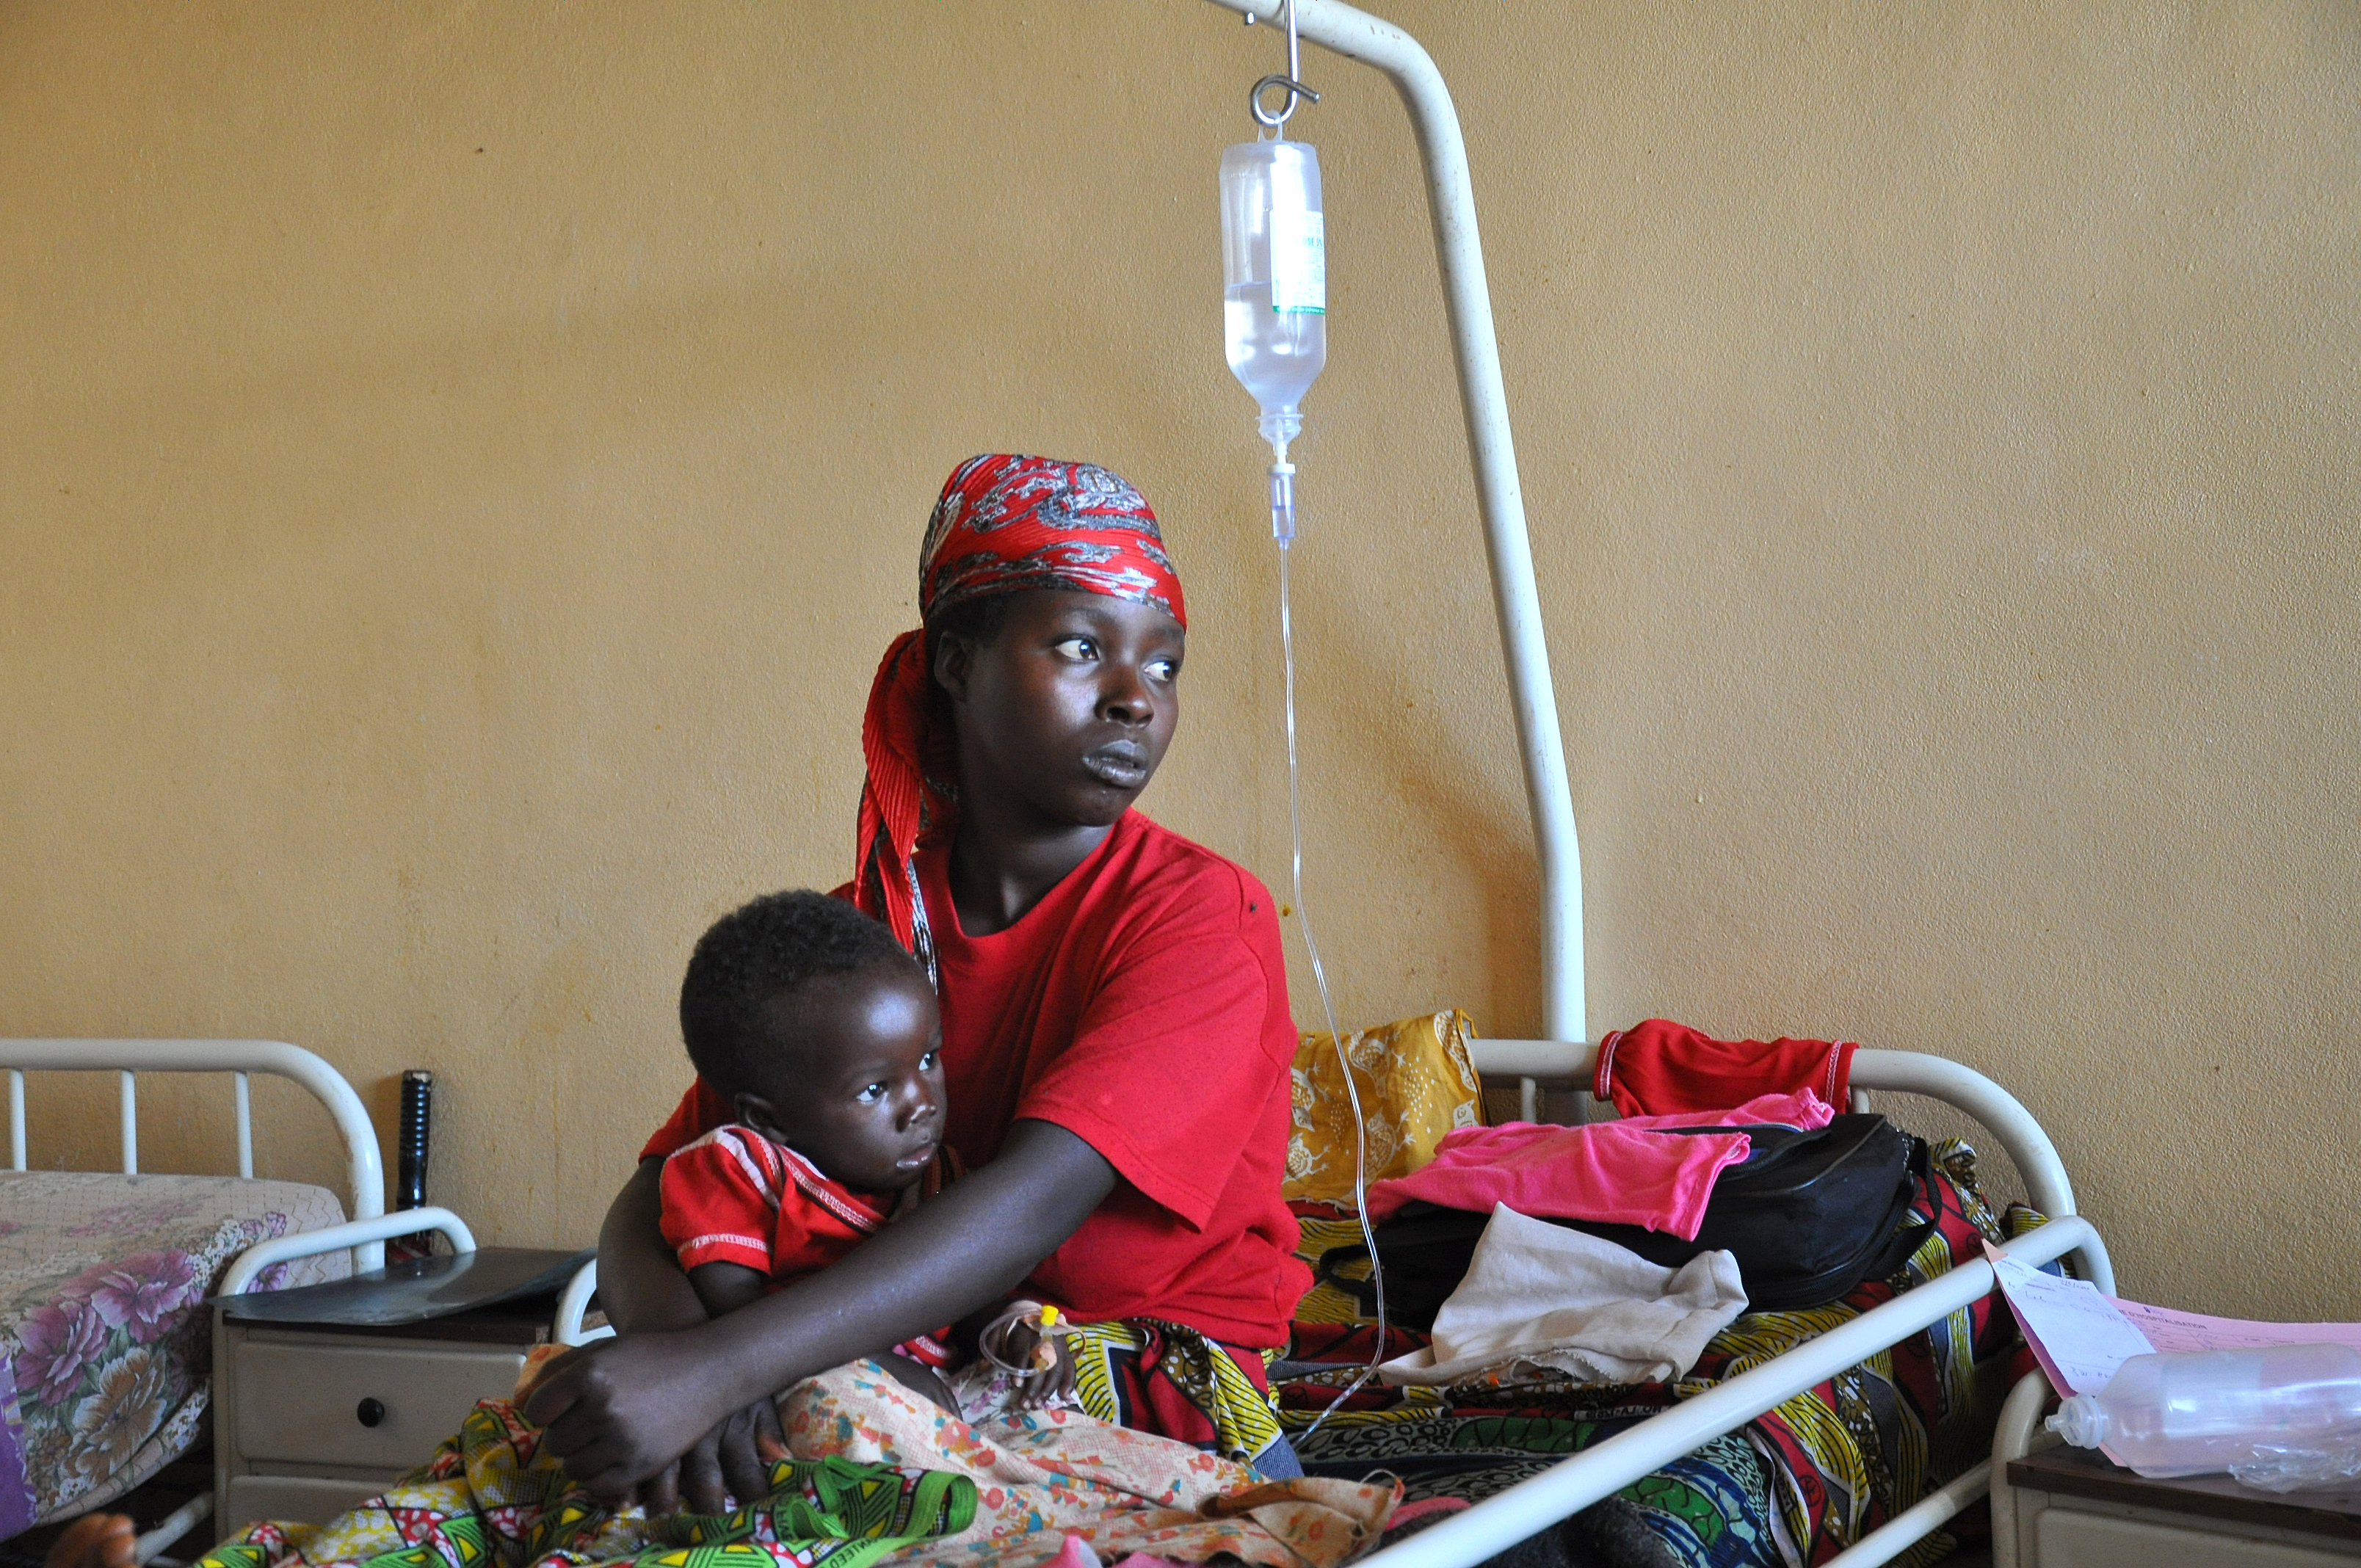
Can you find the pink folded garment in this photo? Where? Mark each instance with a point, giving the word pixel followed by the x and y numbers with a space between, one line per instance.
pixel 1801 1109
pixel 1623 1173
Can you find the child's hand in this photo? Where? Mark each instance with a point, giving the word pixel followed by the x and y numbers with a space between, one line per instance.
pixel 1052 1382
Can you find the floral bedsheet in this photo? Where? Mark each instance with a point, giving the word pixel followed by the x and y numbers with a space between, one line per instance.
pixel 103 1329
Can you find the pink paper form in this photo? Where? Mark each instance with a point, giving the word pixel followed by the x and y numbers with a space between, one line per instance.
pixel 2081 1336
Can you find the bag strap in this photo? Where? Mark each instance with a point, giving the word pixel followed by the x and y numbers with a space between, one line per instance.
pixel 1907 1240
pixel 1364 1291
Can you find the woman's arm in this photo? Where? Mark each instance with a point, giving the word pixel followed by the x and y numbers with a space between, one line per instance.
pixel 641 1283
pixel 622 1410
pixel 643 1290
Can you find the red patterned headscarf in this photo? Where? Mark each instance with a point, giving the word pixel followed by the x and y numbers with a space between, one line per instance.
pixel 1003 524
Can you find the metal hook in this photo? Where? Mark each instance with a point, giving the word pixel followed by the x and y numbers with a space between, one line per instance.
pixel 1289 80
pixel 1295 90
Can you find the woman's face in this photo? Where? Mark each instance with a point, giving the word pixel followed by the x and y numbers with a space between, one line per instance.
pixel 1069 710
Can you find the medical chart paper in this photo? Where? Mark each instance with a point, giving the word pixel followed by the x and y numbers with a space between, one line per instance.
pixel 2081 1336
pixel 2167 1330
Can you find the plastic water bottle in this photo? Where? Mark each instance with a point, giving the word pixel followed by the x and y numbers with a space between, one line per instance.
pixel 1274 279
pixel 2196 1412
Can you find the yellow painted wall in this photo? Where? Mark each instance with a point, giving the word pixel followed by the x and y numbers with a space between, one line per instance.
pixel 459 464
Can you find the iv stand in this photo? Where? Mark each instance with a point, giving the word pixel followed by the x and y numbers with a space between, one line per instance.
pixel 1467 302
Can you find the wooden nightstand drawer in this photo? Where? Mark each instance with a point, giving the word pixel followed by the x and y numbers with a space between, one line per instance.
pixel 2068 1538
pixel 330 1401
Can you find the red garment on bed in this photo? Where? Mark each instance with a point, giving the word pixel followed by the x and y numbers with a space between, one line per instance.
pixel 1141 1005
pixel 735 1196
pixel 1659 1068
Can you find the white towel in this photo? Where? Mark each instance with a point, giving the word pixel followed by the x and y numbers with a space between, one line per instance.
pixel 1539 1295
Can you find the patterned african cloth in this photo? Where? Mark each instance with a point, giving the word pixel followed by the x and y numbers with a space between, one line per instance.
pixel 1795 1486
pixel 871 1472
pixel 1173 1381
pixel 489 1498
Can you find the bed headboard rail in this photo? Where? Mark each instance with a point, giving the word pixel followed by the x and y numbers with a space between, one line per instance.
pixel 238 1058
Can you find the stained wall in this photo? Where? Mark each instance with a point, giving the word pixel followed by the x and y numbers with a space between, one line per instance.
pixel 459 464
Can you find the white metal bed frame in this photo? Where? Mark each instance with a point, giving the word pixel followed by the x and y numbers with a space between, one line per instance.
pixel 365 1232
pixel 240 1058
pixel 1567 1488
pixel 1564 1058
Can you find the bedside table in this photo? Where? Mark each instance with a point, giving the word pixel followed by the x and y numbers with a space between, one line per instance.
pixel 325 1396
pixel 2075 1509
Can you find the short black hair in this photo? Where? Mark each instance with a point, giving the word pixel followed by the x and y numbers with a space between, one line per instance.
pixel 976 622
pixel 755 955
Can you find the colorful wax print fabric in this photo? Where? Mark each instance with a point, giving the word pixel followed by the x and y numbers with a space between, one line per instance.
pixel 1417 1085
pixel 872 1475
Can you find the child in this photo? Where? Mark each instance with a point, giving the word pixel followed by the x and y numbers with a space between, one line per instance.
pixel 822 1032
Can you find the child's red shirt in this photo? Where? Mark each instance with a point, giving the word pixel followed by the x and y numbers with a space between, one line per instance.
pixel 736 1196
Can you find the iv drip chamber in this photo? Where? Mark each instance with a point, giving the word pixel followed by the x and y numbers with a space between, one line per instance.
pixel 1274 279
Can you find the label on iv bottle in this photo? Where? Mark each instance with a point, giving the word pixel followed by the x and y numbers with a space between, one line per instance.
pixel 1298 261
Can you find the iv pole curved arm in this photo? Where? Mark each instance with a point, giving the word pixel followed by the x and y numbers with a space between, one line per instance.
pixel 1467 301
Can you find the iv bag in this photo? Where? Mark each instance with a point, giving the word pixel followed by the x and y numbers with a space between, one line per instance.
pixel 1274 278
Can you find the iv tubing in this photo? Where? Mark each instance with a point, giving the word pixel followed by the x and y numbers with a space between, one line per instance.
pixel 1467 302
pixel 1320 978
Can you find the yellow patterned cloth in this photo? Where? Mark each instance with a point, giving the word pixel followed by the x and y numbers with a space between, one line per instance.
pixel 1173 1381
pixel 1417 1083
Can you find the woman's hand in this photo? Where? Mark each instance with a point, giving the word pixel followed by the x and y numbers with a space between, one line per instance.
pixel 631 1410
pixel 733 1460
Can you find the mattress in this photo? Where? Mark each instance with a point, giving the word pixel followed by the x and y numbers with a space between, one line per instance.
pixel 104 1333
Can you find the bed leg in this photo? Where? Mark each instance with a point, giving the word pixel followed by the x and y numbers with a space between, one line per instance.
pixel 173 1527
pixel 2020 1432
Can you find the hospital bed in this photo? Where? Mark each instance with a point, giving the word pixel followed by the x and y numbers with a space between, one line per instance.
pixel 102 1274
pixel 1530 1506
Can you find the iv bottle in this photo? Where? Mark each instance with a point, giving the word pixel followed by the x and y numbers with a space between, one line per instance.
pixel 1274 279
pixel 2194 1412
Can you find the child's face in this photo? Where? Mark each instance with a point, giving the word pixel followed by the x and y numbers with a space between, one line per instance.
pixel 856 1085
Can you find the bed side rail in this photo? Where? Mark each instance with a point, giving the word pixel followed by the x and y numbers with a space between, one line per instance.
pixel 1567 1488
pixel 573 1304
pixel 358 1234
pixel 237 1058
pixel 1571 1063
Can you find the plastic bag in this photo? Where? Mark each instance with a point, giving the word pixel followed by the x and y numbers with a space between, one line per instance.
pixel 2332 1460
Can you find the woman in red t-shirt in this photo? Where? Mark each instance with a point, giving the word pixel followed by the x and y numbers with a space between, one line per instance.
pixel 1116 1040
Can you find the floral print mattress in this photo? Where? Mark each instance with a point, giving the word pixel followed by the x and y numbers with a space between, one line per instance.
pixel 105 1345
